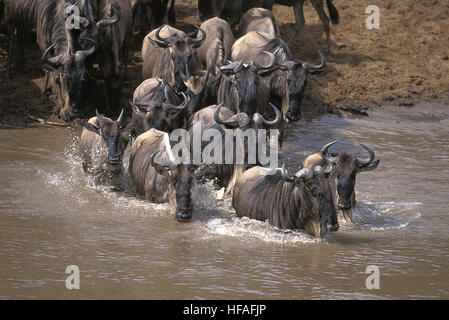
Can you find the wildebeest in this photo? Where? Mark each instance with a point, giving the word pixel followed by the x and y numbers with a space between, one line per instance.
pixel 288 82
pixel 232 11
pixel 240 88
pixel 346 167
pixel 155 105
pixel 221 118
pixel 61 56
pixel 213 53
pixel 102 144
pixel 303 201
pixel 159 177
pixel 109 24
pixel 258 19
pixel 166 53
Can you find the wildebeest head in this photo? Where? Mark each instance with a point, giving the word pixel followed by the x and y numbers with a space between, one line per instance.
pixel 196 89
pixel 314 187
pixel 182 177
pixel 72 72
pixel 347 167
pixel 180 51
pixel 90 29
pixel 115 138
pixel 245 80
pixel 296 82
pixel 243 121
pixel 159 110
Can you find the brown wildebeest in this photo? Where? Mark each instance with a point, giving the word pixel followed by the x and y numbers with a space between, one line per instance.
pixel 159 177
pixel 287 82
pixel 343 178
pixel 220 119
pixel 166 54
pixel 303 201
pixel 102 144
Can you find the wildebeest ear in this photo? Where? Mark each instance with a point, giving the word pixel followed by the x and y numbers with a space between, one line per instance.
pixel 373 165
pixel 89 126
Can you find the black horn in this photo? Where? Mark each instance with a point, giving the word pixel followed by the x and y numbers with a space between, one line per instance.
pixel 53 62
pixel 194 42
pixel 166 41
pixel 172 107
pixel 107 22
pixel 366 162
pixel 324 149
pixel 309 66
pixel 269 65
pixel 83 54
pixel 275 122
pixel 285 175
pixel 120 118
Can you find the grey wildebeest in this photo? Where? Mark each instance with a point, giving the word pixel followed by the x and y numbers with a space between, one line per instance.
pixel 233 10
pixel 258 19
pixel 303 201
pixel 166 53
pixel 286 84
pixel 155 105
pixel 213 53
pixel 343 178
pixel 159 177
pixel 61 56
pixel 224 169
pixel 109 23
pixel 102 144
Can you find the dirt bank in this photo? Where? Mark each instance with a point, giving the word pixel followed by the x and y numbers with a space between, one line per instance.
pixel 405 62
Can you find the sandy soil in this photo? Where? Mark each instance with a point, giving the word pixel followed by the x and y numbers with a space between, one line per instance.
pixel 403 63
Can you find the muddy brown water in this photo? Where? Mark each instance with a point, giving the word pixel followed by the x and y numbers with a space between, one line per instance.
pixel 51 216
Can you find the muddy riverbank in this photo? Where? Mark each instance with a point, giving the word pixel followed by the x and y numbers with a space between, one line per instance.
pixel 405 62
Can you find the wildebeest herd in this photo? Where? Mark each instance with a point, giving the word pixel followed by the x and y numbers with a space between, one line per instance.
pixel 214 77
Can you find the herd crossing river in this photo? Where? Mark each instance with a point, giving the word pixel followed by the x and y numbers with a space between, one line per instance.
pixel 52 216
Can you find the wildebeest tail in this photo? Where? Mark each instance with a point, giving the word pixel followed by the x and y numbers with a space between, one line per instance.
pixel 333 12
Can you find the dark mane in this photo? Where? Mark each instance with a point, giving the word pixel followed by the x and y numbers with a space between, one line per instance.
pixel 288 206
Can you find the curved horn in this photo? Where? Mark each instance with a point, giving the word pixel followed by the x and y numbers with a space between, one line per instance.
pixel 308 65
pixel 276 121
pixel 157 166
pixel 168 40
pixel 196 43
pixel 285 175
pixel 83 54
pixel 99 118
pixel 269 65
pixel 171 107
pixel 323 151
pixel 120 118
pixel 226 122
pixel 107 22
pixel 324 172
pixel 53 62
pixel 365 162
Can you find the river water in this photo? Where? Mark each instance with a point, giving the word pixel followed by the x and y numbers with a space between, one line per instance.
pixel 51 216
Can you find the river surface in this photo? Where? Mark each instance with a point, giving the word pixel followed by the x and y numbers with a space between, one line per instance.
pixel 52 216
